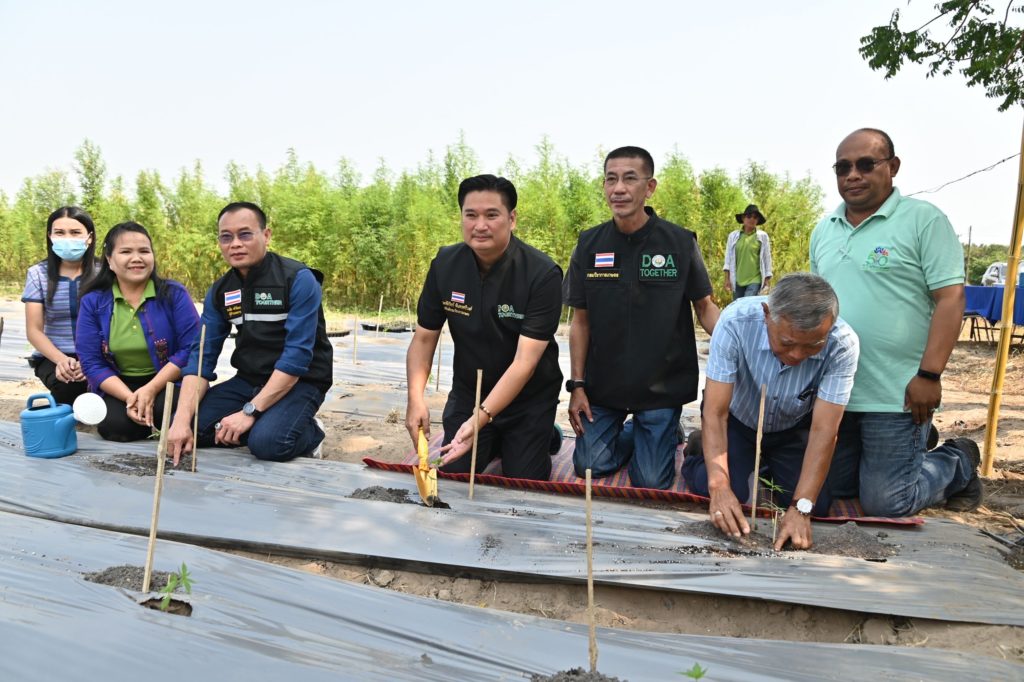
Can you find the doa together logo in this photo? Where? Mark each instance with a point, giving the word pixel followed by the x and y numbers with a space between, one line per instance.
pixel 658 266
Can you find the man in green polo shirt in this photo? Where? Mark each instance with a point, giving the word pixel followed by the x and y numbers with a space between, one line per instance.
pixel 897 267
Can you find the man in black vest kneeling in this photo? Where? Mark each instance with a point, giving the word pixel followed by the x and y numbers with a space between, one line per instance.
pixel 282 354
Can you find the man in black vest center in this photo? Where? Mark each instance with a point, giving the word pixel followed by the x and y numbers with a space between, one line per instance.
pixel 282 354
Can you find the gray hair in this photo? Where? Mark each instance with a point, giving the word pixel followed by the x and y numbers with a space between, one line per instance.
pixel 804 299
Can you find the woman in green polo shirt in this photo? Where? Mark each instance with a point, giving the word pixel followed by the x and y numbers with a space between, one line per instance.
pixel 135 332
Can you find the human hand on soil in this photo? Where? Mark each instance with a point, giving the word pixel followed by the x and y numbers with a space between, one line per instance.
pixel 417 416
pixel 727 514
pixel 579 407
pixel 179 440
pixel 796 528
pixel 921 398
pixel 462 442
pixel 139 406
pixel 232 428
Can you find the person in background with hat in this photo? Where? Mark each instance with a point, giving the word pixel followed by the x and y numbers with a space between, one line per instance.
pixel 748 256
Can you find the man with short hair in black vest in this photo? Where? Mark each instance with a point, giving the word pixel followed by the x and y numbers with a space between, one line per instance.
pixel 501 300
pixel 632 282
pixel 282 354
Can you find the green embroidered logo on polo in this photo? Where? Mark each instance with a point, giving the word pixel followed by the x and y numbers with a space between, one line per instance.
pixel 878 259
pixel 658 266
pixel 506 310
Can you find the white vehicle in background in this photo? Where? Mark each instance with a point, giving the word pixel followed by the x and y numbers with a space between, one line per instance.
pixel 996 274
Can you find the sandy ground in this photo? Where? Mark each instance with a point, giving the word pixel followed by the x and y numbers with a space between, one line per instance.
pixel 967 385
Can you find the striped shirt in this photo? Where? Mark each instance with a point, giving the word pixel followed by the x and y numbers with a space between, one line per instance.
pixel 60 315
pixel 741 355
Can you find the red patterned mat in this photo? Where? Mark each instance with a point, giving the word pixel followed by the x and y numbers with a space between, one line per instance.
pixel 564 480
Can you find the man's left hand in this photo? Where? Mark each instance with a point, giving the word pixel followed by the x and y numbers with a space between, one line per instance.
pixel 232 428
pixel 921 398
pixel 796 528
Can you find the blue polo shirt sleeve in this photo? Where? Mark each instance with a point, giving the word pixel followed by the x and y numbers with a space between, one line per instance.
pixel 841 365
pixel 544 309
pixel 300 327
pixel 724 351
pixel 35 289
pixel 698 284
pixel 217 329
pixel 429 313
pixel 574 294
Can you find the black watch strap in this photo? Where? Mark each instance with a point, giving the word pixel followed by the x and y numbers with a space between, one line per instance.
pixel 572 384
pixel 931 376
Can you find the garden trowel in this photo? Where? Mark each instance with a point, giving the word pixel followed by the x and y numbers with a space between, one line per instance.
pixel 426 477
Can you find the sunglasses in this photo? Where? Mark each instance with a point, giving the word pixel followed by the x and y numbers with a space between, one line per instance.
pixel 864 164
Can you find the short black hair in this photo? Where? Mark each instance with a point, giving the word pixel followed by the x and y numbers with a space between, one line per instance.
pixel 489 183
pixel 632 153
pixel 239 205
pixel 882 134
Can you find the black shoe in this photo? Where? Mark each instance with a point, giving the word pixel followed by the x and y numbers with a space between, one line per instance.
pixel 933 437
pixel 973 493
pixel 556 440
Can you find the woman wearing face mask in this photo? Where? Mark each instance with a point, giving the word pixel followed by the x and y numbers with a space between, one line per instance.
pixel 135 332
pixel 52 289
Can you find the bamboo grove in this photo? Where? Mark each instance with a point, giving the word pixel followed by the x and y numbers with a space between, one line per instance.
pixel 377 237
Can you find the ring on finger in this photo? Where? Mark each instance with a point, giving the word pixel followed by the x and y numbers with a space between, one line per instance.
pixel 217 426
pixel 718 513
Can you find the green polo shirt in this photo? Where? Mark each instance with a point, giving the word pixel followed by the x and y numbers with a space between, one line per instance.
pixel 127 339
pixel 748 259
pixel 883 272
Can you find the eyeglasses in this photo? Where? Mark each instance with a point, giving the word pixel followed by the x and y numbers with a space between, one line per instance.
pixel 226 238
pixel 629 180
pixel 864 164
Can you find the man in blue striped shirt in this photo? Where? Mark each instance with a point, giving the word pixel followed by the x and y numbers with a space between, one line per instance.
pixel 794 343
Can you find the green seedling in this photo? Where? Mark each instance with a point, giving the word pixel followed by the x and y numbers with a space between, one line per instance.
pixel 181 579
pixel 436 462
pixel 696 672
pixel 776 510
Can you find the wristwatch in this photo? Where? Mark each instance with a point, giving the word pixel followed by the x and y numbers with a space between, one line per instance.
pixel 572 384
pixel 249 410
pixel 804 506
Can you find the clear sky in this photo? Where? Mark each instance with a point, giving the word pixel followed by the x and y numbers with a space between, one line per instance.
pixel 158 85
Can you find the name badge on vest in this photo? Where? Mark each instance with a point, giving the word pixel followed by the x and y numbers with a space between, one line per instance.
pixel 658 267
pixel 233 305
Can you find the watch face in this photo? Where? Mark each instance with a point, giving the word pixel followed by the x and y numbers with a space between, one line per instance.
pixel 804 506
pixel 248 409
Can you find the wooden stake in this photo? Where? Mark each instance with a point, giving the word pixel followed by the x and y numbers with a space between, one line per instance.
pixel 380 308
pixel 757 458
pixel 437 374
pixel 591 616
pixel 476 431
pixel 355 335
pixel 195 418
pixel 161 454
pixel 1 328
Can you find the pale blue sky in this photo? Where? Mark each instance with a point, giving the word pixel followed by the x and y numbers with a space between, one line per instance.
pixel 160 85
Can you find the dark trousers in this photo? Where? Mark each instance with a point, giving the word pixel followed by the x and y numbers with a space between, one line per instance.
pixel 520 436
pixel 46 371
pixel 118 426
pixel 782 456
pixel 285 431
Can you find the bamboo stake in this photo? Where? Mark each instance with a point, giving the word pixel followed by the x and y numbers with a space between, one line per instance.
pixel 476 431
pixel 195 417
pixel 757 458
pixel 380 308
pixel 355 336
pixel 1006 324
pixel 161 454
pixel 1 328
pixel 437 374
pixel 591 616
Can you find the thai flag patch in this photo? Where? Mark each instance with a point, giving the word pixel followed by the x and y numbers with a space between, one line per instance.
pixel 604 260
pixel 458 297
pixel 233 297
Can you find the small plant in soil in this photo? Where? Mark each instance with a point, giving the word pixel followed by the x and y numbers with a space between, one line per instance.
pixel 775 509
pixel 182 579
pixel 695 673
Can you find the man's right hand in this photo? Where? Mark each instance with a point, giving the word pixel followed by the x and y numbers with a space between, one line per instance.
pixel 179 440
pixel 417 417
pixel 727 514
pixel 579 408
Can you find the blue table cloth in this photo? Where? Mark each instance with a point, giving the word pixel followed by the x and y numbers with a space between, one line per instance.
pixel 988 302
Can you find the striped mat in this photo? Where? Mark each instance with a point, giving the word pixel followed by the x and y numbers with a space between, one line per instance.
pixel 564 480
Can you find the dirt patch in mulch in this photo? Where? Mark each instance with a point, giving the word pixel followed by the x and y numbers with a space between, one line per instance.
pixel 574 675
pixel 381 494
pixel 1016 558
pixel 134 464
pixel 132 577
pixel 846 540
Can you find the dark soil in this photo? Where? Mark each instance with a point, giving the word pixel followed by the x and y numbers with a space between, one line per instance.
pixel 128 577
pixel 574 675
pixel 174 606
pixel 1016 558
pixel 845 540
pixel 133 464
pixel 382 494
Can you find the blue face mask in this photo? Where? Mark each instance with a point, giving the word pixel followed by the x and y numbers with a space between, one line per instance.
pixel 69 249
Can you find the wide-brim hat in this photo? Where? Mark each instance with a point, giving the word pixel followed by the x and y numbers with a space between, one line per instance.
pixel 752 210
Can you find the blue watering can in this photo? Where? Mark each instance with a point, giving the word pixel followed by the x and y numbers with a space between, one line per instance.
pixel 48 431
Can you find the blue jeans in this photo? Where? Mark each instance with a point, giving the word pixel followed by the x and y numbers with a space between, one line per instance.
pixel 285 431
pixel 748 290
pixel 648 444
pixel 881 456
pixel 782 456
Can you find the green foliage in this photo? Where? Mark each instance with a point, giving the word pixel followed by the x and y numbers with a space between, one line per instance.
pixel 378 236
pixel 982 256
pixel 982 45
pixel 182 579
pixel 696 672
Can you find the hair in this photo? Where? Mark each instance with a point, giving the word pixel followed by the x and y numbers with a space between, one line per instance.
pixel 240 205
pixel 804 300
pixel 632 153
pixel 53 260
pixel 882 134
pixel 489 183
pixel 105 278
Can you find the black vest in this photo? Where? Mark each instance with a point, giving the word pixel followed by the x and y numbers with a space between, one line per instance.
pixel 259 315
